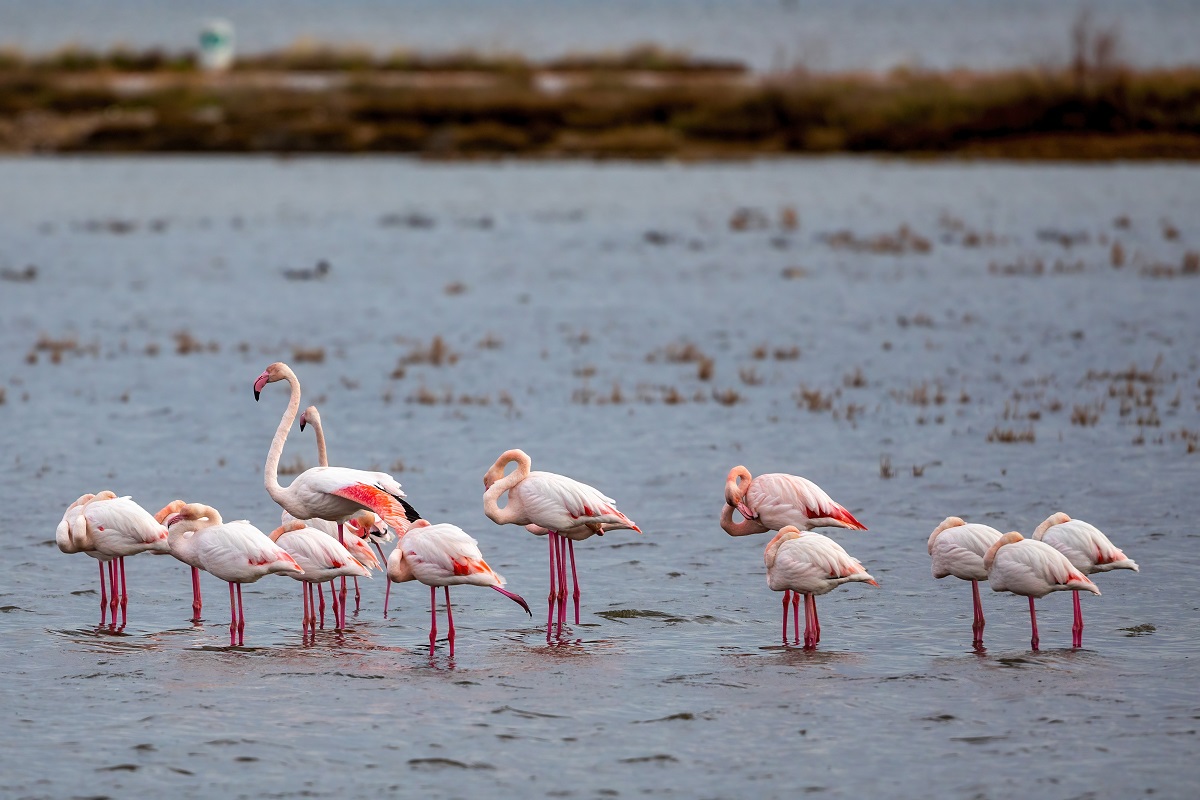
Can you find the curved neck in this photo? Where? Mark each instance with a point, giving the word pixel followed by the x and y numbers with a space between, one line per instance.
pixel 491 498
pixel 322 456
pixel 736 485
pixel 744 528
pixel 271 469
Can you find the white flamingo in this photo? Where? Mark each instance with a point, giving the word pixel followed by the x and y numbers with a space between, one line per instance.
pixel 957 549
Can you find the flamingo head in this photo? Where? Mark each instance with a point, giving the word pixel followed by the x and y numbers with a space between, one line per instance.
pixel 287 527
pixel 310 416
pixel 736 486
pixel 276 372
pixel 190 516
pixel 1057 518
pixel 362 524
pixel 107 494
pixel 173 507
pixel 496 471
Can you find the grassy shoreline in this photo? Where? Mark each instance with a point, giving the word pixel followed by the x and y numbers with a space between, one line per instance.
pixel 645 103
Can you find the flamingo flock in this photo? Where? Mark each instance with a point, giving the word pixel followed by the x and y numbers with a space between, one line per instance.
pixel 331 516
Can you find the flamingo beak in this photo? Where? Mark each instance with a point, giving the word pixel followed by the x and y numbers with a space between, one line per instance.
pixel 745 511
pixel 303 421
pixel 516 598
pixel 171 520
pixel 259 383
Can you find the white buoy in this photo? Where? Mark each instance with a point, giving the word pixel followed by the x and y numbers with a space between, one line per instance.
pixel 216 45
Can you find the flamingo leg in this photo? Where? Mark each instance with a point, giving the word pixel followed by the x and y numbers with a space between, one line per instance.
pixel 553 596
pixel 196 603
pixel 1077 628
pixel 787 598
pixel 1033 621
pixel 432 618
pixel 357 596
pixel 241 618
pixel 103 595
pixel 977 624
pixel 387 593
pixel 321 594
pixel 125 593
pixel 450 620
pixel 809 639
pixel 812 599
pixel 337 615
pixel 232 616
pixel 562 581
pixel 342 542
pixel 575 578
pixel 114 599
pixel 796 617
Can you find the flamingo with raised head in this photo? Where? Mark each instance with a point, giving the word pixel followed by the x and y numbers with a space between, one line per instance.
pixel 443 555
pixel 957 549
pixel 1032 569
pixel 808 564
pixel 236 552
pixel 547 503
pixel 329 493
pixel 775 500
pixel 110 528
pixel 321 558
pixel 1088 550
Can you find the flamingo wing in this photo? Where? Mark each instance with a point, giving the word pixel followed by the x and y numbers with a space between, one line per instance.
pixel 1086 547
pixel 791 500
pixel 374 491
pixel 445 554
pixel 238 551
pixel 959 551
pixel 134 525
pixel 560 503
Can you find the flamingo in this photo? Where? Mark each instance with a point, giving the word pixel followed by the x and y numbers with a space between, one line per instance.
pixel 236 552
pixel 958 549
pixel 775 500
pixel 109 528
pixel 443 555
pixel 321 558
pixel 808 564
pixel 329 493
pixel 547 503
pixel 1032 569
pixel 1088 550
pixel 161 517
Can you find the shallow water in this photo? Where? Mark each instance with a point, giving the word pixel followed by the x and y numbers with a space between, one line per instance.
pixel 848 35
pixel 551 284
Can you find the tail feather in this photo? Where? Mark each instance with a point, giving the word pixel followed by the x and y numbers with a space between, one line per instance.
pixel 843 516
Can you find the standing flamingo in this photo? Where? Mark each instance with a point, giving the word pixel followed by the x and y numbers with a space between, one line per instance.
pixel 110 528
pixel 1032 569
pixel 958 549
pixel 1088 550
pixel 79 542
pixel 775 500
pixel 161 517
pixel 236 552
pixel 321 558
pixel 808 564
pixel 547 503
pixel 330 493
pixel 443 555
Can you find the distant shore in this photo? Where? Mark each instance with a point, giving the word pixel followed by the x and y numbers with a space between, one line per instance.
pixel 646 103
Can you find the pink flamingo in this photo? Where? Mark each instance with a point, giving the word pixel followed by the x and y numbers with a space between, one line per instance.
pixel 547 503
pixel 958 549
pixel 808 564
pixel 443 555
pixel 775 500
pixel 236 552
pixel 329 493
pixel 321 558
pixel 109 528
pixel 1088 550
pixel 1032 569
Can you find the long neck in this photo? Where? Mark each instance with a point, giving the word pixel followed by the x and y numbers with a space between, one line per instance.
pixel 491 506
pixel 322 456
pixel 744 528
pixel 271 470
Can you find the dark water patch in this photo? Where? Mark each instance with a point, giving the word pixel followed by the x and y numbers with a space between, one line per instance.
pixel 246 759
pixel 445 763
pixel 1145 629
pixel 145 747
pixel 10 609
pixel 525 714
pixel 634 543
pixel 181 771
pixel 633 613
pixel 657 758
pixel 940 718
pixel 119 768
pixel 79 592
pixel 978 739
pixel 683 715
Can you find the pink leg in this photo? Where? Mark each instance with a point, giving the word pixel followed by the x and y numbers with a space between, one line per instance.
pixel 342 622
pixel 114 598
pixel 233 618
pixel 125 593
pixel 103 595
pixel 432 618
pixel 552 598
pixel 562 581
pixel 357 596
pixel 809 639
pixel 321 595
pixel 796 617
pixel 787 598
pixel 387 593
pixel 450 620
pixel 812 599
pixel 1033 621
pixel 241 618
pixel 196 603
pixel 574 578
pixel 337 615
pixel 382 560
pixel 977 624
pixel 1077 628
